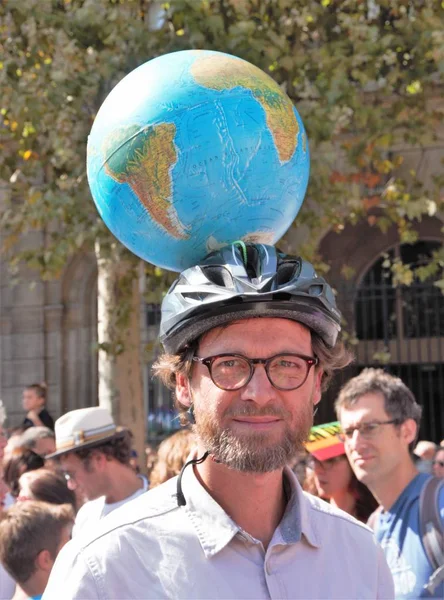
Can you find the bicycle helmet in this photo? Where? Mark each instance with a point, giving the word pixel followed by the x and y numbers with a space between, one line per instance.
pixel 241 281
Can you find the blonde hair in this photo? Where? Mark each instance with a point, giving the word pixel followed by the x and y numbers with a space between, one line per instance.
pixel 171 456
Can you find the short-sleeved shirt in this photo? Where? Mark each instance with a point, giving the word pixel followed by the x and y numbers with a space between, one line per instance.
pixel 44 417
pixel 151 548
pixel 398 532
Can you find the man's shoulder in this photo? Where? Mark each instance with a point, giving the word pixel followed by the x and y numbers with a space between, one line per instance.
pixel 150 507
pixel 325 513
pixel 46 418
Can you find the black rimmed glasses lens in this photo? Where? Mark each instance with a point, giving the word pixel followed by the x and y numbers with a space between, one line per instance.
pixel 285 372
pixel 367 430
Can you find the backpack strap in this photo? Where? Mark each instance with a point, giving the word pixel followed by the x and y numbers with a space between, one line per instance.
pixel 431 530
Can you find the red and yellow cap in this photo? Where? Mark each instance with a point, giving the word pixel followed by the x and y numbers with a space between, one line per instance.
pixel 324 442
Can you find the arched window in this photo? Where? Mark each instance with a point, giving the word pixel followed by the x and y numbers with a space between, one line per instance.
pixel 402 329
pixel 385 312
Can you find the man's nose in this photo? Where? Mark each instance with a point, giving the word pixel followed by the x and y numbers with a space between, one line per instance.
pixel 259 388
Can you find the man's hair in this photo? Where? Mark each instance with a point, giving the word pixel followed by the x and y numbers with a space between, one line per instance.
pixel 26 529
pixel 171 456
pixel 31 436
pixel 399 401
pixel 40 389
pixel 168 366
pixel 49 486
pixel 118 448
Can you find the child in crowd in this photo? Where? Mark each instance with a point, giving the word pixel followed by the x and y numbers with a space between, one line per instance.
pixel 34 404
pixel 31 535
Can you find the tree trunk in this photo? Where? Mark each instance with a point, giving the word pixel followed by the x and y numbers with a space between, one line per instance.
pixel 120 364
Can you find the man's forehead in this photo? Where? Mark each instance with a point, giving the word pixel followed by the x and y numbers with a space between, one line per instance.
pixel 247 327
pixel 366 408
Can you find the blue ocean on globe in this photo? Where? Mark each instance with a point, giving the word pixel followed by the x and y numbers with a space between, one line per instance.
pixel 194 150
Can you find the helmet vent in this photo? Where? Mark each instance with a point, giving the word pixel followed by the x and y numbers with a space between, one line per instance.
pixel 287 272
pixel 316 290
pixel 196 296
pixel 219 275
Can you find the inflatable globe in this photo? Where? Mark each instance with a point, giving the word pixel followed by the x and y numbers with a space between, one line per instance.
pixel 194 150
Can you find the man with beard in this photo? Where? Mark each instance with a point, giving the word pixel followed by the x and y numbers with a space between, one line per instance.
pixel 251 340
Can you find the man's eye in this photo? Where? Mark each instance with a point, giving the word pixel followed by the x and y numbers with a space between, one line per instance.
pixel 229 363
pixel 288 364
pixel 369 427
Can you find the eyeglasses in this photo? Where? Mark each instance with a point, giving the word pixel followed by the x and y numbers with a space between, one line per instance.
pixel 367 430
pixel 438 462
pixel 327 464
pixel 285 372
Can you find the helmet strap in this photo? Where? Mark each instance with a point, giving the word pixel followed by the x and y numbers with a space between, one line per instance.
pixel 243 249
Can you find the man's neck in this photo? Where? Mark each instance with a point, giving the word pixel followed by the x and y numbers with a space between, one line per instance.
pixel 36 584
pixel 255 502
pixel 388 489
pixel 123 482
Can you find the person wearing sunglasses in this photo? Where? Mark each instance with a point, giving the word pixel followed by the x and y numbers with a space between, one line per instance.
pixel 330 474
pixel 380 419
pixel 250 338
pixel 438 463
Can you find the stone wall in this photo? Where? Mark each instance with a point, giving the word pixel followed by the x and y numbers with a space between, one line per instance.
pixel 47 332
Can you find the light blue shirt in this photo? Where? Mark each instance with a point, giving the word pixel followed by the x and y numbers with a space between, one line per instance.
pixel 152 549
pixel 397 530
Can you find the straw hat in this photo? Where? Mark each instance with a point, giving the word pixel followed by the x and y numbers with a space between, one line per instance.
pixel 84 428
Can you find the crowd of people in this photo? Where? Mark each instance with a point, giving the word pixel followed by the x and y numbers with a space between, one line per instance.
pixel 55 485
pixel 249 499
pixel 51 489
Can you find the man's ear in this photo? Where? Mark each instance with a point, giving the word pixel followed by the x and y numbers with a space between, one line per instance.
pixel 183 394
pixel 409 430
pixel 44 561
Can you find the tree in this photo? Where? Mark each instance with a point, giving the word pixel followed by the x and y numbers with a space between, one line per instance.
pixel 366 77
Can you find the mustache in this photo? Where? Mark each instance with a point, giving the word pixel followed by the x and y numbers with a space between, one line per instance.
pixel 251 411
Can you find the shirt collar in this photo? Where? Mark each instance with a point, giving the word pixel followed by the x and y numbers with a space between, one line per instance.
pixel 300 507
pixel 215 529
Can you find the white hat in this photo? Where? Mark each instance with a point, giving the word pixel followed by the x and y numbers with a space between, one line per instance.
pixel 84 428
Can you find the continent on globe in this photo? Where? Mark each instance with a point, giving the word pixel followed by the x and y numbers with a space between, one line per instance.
pixel 221 72
pixel 144 161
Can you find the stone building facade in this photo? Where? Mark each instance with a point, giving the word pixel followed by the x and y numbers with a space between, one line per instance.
pixel 47 333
